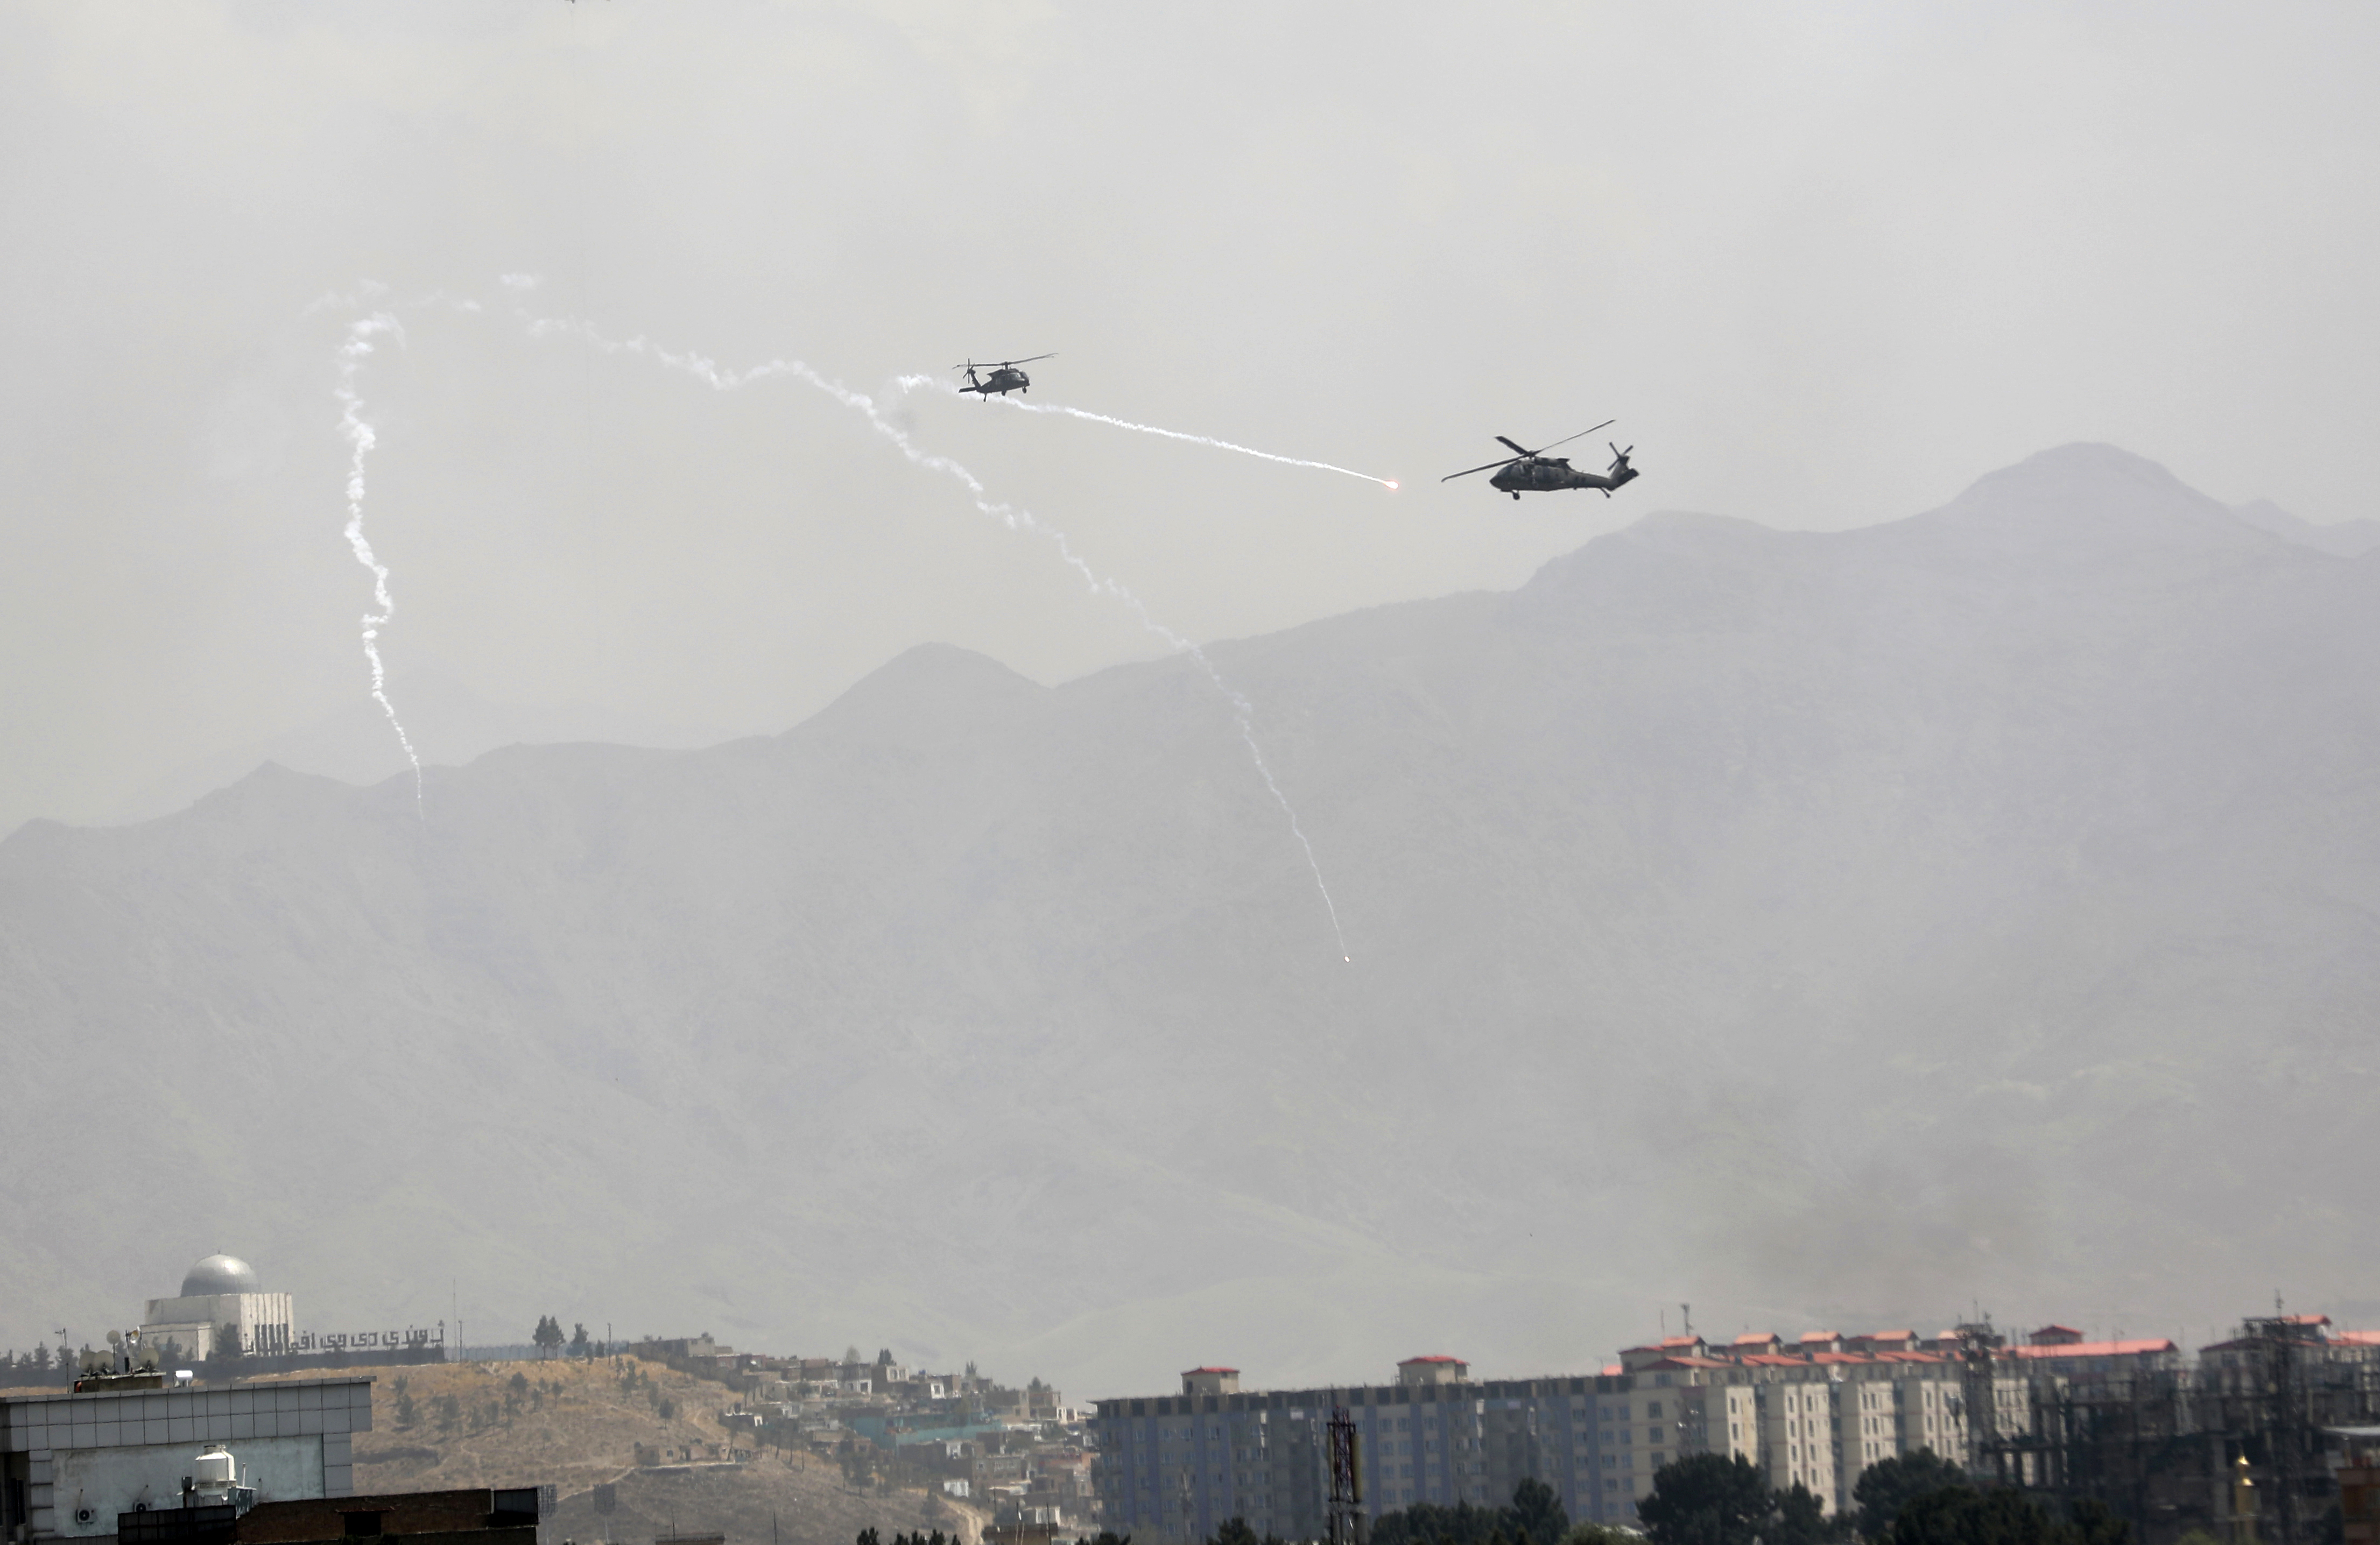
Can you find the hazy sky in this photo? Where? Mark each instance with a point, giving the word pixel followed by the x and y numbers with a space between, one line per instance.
pixel 1825 263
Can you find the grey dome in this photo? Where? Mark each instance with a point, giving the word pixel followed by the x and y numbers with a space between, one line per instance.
pixel 219 1273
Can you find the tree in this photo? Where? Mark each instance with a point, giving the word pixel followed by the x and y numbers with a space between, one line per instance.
pixel 1887 1486
pixel 1598 1534
pixel 1536 1515
pixel 548 1335
pixel 224 1343
pixel 1706 1498
pixel 1801 1519
pixel 1963 1515
pixel 1234 1532
pixel 580 1345
pixel 2092 1522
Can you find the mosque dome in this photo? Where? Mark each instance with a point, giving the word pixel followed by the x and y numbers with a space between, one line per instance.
pixel 219 1273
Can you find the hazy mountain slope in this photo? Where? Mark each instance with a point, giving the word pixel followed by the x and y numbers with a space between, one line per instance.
pixel 1846 925
pixel 2349 539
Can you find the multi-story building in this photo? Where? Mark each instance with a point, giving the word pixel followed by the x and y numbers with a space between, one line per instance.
pixel 1175 1467
pixel 2058 1411
pixel 1816 1415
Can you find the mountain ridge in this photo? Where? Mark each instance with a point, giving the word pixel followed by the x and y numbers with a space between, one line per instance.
pixel 1822 924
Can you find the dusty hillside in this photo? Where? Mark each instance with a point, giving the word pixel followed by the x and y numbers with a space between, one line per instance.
pixel 576 1425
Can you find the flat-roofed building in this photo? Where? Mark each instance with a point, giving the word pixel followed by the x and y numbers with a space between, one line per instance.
pixel 1176 1467
pixel 71 1463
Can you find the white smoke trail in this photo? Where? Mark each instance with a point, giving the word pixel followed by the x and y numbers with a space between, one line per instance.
pixel 360 439
pixel 911 383
pixel 1013 516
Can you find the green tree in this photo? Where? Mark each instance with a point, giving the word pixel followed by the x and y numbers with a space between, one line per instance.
pixel 548 1335
pixel 1888 1484
pixel 1536 1515
pixel 2092 1522
pixel 224 1345
pixel 1963 1515
pixel 580 1345
pixel 1431 1524
pixel 1234 1532
pixel 1598 1534
pixel 1802 1520
pixel 1706 1498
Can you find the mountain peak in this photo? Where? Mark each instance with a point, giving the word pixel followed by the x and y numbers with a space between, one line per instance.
pixel 2091 500
pixel 927 690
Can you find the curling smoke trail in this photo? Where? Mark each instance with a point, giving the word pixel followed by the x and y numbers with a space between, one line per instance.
pixel 911 383
pixel 360 440
pixel 1015 517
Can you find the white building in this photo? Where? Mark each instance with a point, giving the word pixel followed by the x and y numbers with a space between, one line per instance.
pixel 221 1297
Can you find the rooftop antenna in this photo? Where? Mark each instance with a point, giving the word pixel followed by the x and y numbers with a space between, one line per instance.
pixel 1685 1319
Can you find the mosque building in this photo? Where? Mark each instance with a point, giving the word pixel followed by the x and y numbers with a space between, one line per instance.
pixel 221 1302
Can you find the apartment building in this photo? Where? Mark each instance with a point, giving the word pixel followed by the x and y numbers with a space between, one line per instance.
pixel 1816 1412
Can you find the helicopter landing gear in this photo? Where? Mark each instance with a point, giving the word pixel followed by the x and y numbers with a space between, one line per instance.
pixel 1516 494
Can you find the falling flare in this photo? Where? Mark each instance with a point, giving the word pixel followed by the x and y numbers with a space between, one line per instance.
pixel 911 383
pixel 360 439
pixel 1010 515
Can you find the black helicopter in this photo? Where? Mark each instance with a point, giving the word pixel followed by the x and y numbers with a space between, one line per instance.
pixel 1004 377
pixel 1535 472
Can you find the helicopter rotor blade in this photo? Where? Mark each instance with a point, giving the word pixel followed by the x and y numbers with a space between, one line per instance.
pixel 1468 470
pixel 1005 363
pixel 1568 438
pixel 1518 449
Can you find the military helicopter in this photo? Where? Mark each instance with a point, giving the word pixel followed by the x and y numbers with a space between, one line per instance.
pixel 1535 472
pixel 1004 377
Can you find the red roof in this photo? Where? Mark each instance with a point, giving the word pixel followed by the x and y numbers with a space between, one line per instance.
pixel 2357 1338
pixel 1821 1336
pixel 1755 1338
pixel 1433 1358
pixel 2091 1349
pixel 1187 1372
pixel 2061 1330
pixel 1612 1370
pixel 1686 1362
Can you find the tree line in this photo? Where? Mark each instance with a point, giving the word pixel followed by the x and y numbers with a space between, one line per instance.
pixel 1709 1499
